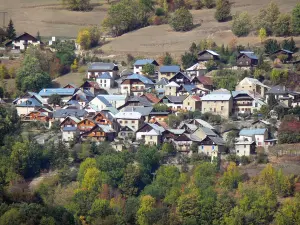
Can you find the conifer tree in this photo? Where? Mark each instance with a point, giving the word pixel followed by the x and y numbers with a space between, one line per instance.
pixel 11 32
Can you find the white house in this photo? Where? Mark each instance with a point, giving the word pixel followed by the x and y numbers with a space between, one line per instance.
pixel 23 41
pixel 115 100
pixel 105 80
pixel 257 135
pixel 69 133
pixel 244 147
pixel 99 103
pixel 97 68
pixel 140 63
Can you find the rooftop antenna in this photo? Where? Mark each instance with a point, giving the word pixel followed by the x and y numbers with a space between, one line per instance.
pixel 4 16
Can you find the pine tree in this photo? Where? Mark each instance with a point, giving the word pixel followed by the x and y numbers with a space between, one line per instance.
pixel 38 36
pixel 11 32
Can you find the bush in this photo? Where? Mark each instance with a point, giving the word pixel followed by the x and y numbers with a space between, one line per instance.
pixel 209 3
pixel 159 12
pixel 182 20
pixel 241 25
pixel 223 10
pixel 245 160
pixel 282 26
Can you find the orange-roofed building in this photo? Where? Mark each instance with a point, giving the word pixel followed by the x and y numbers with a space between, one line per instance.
pixel 192 103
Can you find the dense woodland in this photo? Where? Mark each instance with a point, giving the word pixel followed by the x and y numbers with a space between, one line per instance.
pixel 96 185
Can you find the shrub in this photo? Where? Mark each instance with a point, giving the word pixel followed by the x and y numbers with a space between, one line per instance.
pixel 159 12
pixel 241 25
pixel 282 26
pixel 209 3
pixel 182 20
pixel 222 10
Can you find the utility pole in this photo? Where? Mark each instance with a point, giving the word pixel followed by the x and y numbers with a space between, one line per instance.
pixel 4 16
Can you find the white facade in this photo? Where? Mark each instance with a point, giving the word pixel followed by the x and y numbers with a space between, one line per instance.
pixel 97 104
pixel 113 74
pixel 68 135
pixel 24 110
pixel 138 69
pixel 22 44
pixel 259 139
pixel 105 83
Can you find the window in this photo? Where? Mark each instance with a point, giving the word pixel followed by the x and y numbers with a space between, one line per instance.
pixel 210 109
pixel 151 137
pixel 214 109
pixel 222 108
pixel 188 103
pixel 132 121
pixel 121 121
pixel 237 151
pixel 170 88
pixel 133 127
pixel 244 146
pixel 126 121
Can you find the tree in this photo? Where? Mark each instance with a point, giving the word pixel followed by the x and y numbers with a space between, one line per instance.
pixel 130 181
pixel 262 34
pixel 271 45
pixel 222 10
pixel 289 44
pixel 173 120
pixel 296 20
pixel 78 5
pixel 168 60
pixel 282 26
pixel 3 72
pixel 1 92
pixel 168 148
pixel 54 99
pixel 146 206
pixel 10 30
pixel 160 107
pixel 38 36
pixel 84 39
pixel 47 221
pixel 100 209
pixel 11 217
pixel 182 20
pixel 188 60
pixel 231 177
pixel 209 3
pixel 87 163
pixel 241 25
pixel 74 66
pixel 288 213
pixel 148 69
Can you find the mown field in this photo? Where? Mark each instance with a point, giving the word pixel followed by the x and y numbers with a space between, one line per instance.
pixel 51 19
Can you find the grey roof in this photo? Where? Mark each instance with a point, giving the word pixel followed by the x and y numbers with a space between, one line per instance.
pixel 63 113
pixel 156 127
pixel 104 76
pixel 176 99
pixel 208 131
pixel 284 50
pixel 205 124
pixel 177 131
pixel 189 87
pixel 251 132
pixel 102 66
pixel 141 62
pixel 216 97
pixel 128 115
pixel 145 111
pixel 144 101
pixel 169 69
pixel 217 140
pixel 193 137
pixel 31 102
pixel 114 97
pixel 104 100
pixel 70 129
pixel 250 55
pixel 140 77
pixel 111 109
pixel 163 81
pixel 46 92
pixel 210 52
pixel 277 90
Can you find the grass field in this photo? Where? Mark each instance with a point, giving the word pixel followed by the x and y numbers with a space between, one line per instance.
pixel 49 17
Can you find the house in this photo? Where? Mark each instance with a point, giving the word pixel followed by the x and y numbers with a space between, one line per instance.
pixel 158 116
pixel 257 135
pixel 219 103
pixel 69 121
pixel 199 69
pixel 25 107
pixel 136 101
pixel 171 88
pixel 97 68
pixel 208 55
pixel 190 89
pixel 246 59
pixel 168 71
pixel 171 134
pixel 105 81
pixel 203 82
pixel 36 116
pixel 152 134
pixel 181 78
pixel 192 103
pixel 99 133
pixel 173 102
pixel 136 84
pixel 151 97
pixel 140 63
pixel 23 41
pixel 244 147
pixel 93 87
pixel 253 85
pixel 115 100
pixel 61 114
pixel 260 124
pixel 82 97
pixel 65 93
pixel 199 123
pixel 278 91
pixel 29 95
pixel 160 86
pixel 70 86
pixel 211 146
pixel 69 134
pixel 242 102
pixel 99 103
pixel 287 53
pixel 203 132
pixel 134 120
pixel 145 111
pixel 86 125
pixel 183 142
pixel 126 133
pixel 101 119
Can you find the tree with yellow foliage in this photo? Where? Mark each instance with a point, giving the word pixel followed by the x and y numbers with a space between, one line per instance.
pixel 262 34
pixel 146 206
pixel 74 66
pixel 84 39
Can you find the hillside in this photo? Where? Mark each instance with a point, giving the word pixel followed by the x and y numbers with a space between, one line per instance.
pixel 48 17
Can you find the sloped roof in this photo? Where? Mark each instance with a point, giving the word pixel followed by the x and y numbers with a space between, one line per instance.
pixel 145 111
pixel 144 101
pixel 31 102
pixel 102 66
pixel 189 87
pixel 128 115
pixel 278 89
pixel 196 97
pixel 176 131
pixel 111 109
pixel 210 52
pixel 104 101
pixel 197 66
pixel 204 124
pixel 151 97
pixel 140 77
pixel 249 55
pixel 217 140
pixel 283 50
pixel 169 69
pixel 114 97
pixel 63 113
pixel 68 129
pixel 172 84
pixel 208 131
pixel 141 62
pixel 163 81
pixel 104 76
pixel 216 97
pixel 205 80
pixel 106 128
pixel 59 91
pixel 176 99
pixel 94 84
pixel 251 132
pixel 253 81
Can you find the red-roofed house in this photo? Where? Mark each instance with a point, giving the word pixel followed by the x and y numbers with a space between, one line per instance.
pixel 192 103
pixel 151 97
pixel 202 81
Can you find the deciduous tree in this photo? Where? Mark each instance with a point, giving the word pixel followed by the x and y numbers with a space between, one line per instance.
pixel 222 10
pixel 182 20
pixel 296 20
pixel 241 25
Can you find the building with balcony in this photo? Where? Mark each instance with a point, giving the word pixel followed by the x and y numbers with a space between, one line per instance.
pixel 136 84
pixel 168 71
pixel 140 63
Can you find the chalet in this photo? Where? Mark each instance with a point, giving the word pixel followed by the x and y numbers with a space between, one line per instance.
pixel 99 133
pixel 253 85
pixel 36 116
pixel 136 101
pixel 247 59
pixel 105 81
pixel 115 100
pixel 101 119
pixel 158 116
pixel 82 97
pixel 97 68
pixel 260 124
pixel 69 121
pixel 136 84
pixel 65 93
pixel 99 103
pixel 244 147
pixel 140 63
pixel 287 53
pixel 208 55
pixel 151 97
pixel 27 96
pixel 172 134
pixel 47 111
pixel 203 132
pixel 126 133
pixel 204 82
pixel 69 134
pixel 190 89
pixel 219 103
pixel 23 41
pixel 144 111
pixel 93 87
pixel 86 125
pixel 171 88
pixel 25 107
pixel 212 146
pixel 198 123
pixel 199 69
pixel 242 102
pixel 134 120
pixel 160 86
pixel 168 71
pixel 278 91
pixel 174 102
pixel 61 114
pixel 192 103
pixel 183 142
pixel 189 128
pixel 257 135
pixel 181 78
pixel 152 134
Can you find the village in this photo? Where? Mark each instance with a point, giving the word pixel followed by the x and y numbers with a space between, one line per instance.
pixel 134 108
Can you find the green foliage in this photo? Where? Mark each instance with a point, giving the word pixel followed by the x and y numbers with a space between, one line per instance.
pixel 146 206
pixel 262 34
pixel 86 164
pixel 4 72
pixel 279 76
pixel 168 60
pixel 10 31
pixel 131 181
pixel 205 175
pixel 11 217
pixel 282 26
pixel 231 177
pixel 160 107
pixel 182 20
pixel 88 37
pixel 271 45
pixel 92 179
pixel 211 65
pixel 296 20
pixel 288 214
pixel 10 122
pixel 242 24
pixel 227 79
pixel 78 5
pixel 173 120
pixel 54 99
pixel 100 209
pixel 148 69
pixel 188 60
pixel 209 3
pixel 289 44
pixel 65 52
pixel 222 10
pixel 168 148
